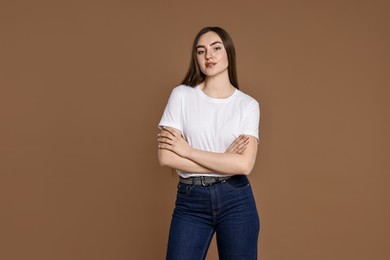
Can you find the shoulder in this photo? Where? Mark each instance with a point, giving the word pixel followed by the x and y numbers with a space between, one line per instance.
pixel 246 99
pixel 183 88
pixel 183 91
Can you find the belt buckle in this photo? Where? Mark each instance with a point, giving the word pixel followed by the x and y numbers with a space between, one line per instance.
pixel 202 182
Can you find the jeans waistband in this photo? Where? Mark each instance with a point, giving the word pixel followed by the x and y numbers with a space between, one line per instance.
pixel 203 180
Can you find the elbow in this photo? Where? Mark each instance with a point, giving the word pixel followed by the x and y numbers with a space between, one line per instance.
pixel 162 163
pixel 247 172
pixel 163 159
pixel 247 168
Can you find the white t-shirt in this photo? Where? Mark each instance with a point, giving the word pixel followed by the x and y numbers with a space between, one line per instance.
pixel 210 124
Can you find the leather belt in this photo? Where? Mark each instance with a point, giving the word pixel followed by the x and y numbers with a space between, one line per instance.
pixel 203 180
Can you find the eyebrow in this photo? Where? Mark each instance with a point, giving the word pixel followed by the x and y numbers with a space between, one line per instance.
pixel 202 46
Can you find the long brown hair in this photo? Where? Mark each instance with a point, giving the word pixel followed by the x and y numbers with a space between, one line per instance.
pixel 194 75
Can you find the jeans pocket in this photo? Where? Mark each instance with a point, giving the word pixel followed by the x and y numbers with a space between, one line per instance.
pixel 184 189
pixel 238 182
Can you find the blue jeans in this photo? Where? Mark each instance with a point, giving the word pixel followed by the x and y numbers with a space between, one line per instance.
pixel 227 209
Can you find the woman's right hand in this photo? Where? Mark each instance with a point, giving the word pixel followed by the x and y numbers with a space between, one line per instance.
pixel 239 145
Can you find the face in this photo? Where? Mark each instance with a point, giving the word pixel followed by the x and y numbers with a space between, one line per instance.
pixel 211 54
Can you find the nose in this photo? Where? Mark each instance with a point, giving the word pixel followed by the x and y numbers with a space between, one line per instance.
pixel 208 55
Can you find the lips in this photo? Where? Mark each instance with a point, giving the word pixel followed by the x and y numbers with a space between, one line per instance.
pixel 210 64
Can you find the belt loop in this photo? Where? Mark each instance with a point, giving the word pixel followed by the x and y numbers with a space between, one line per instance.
pixel 202 181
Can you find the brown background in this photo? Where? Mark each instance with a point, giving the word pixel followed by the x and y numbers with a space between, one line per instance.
pixel 83 86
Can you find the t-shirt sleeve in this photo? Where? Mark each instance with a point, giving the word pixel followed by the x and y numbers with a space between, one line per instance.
pixel 250 125
pixel 172 112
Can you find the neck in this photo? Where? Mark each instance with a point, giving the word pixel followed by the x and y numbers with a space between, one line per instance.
pixel 218 86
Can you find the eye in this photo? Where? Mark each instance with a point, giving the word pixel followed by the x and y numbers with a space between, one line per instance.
pixel 217 48
pixel 199 52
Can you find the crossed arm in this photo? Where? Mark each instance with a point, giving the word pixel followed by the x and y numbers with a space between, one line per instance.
pixel 175 152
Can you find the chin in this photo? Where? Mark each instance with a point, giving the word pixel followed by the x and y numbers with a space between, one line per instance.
pixel 214 73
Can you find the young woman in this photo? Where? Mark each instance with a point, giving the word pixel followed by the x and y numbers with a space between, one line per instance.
pixel 209 134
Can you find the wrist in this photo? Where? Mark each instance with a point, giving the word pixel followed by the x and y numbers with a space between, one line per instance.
pixel 189 153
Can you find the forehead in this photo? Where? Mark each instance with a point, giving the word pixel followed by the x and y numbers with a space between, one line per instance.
pixel 209 38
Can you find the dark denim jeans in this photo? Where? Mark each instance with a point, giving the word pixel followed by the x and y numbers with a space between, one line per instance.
pixel 227 209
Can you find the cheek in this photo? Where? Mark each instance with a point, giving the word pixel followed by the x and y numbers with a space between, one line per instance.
pixel 224 59
pixel 199 60
pixel 201 64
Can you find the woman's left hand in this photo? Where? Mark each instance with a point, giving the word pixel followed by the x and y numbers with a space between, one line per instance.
pixel 171 139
